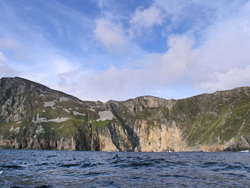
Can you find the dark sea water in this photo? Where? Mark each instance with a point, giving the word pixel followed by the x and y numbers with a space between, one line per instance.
pixel 33 168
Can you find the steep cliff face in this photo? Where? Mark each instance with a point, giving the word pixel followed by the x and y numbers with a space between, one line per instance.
pixel 33 116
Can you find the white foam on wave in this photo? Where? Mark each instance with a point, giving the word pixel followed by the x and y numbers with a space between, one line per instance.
pixel 1 172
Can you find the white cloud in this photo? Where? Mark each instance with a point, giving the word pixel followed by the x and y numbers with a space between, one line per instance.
pixel 224 59
pixel 145 19
pixel 235 77
pixel 227 43
pixel 111 35
pixel 179 58
pixel 219 61
pixel 156 71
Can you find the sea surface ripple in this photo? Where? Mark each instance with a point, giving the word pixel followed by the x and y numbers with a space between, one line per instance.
pixel 43 168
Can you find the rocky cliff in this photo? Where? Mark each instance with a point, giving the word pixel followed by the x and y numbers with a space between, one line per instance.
pixel 32 116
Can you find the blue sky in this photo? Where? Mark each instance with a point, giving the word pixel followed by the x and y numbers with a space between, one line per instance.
pixel 107 49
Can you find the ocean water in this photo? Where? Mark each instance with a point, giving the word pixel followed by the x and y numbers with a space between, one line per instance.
pixel 43 168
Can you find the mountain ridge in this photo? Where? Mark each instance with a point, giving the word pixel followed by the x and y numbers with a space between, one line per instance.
pixel 33 116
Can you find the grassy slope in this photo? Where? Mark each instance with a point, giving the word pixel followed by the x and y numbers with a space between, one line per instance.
pixel 215 120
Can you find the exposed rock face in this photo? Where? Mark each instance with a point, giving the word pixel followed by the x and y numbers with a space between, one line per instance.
pixel 33 116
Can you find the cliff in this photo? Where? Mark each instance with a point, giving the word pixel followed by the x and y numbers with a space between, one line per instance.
pixel 32 116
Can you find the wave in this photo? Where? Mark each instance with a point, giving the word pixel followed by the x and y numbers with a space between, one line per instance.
pixel 105 169
pixel 16 167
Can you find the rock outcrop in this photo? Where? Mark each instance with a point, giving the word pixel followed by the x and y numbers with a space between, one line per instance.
pixel 33 116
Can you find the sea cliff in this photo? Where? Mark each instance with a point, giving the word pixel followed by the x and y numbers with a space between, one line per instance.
pixel 33 116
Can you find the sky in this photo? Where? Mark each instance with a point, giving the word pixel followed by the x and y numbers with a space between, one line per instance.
pixel 110 49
